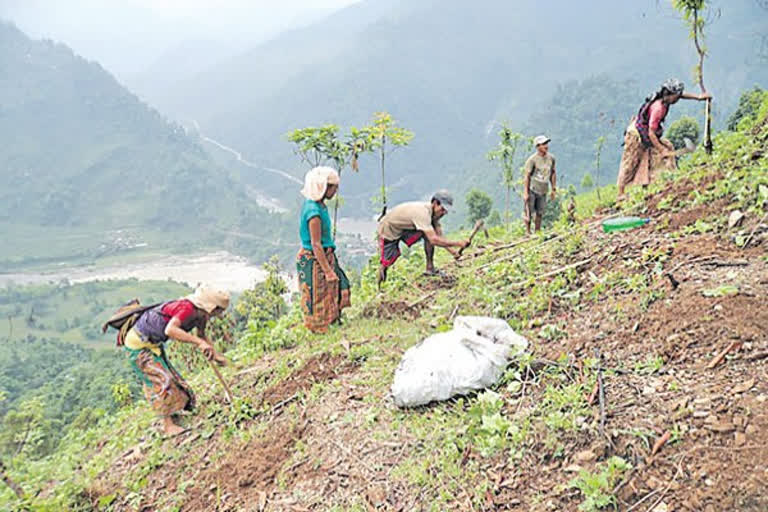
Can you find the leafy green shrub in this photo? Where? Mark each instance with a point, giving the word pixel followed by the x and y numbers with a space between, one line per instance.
pixel 749 106
pixel 684 128
pixel 489 429
pixel 479 204
pixel 494 219
pixel 597 488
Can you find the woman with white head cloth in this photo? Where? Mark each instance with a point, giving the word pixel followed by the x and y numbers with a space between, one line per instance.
pixel 323 285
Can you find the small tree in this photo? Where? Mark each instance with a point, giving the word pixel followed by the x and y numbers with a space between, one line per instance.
pixel 479 204
pixel 598 153
pixel 504 154
pixel 322 145
pixel 494 219
pixel 264 302
pixel 697 15
pixel 684 128
pixel 586 181
pixel 315 145
pixel 749 106
pixel 385 137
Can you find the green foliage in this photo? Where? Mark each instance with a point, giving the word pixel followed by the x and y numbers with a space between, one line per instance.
pixel 749 105
pixel 26 430
pixel 553 212
pixel 721 291
pixel 317 146
pixel 598 154
pixel 494 219
pixel 386 136
pixel 564 406
pixel 505 153
pixel 586 181
pixel 597 488
pixel 684 128
pixel 489 430
pixel 264 302
pixel 650 365
pixel 479 204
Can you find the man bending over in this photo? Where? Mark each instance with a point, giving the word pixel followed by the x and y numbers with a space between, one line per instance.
pixel 409 223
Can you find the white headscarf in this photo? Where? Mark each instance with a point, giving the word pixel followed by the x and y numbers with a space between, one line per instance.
pixel 316 182
pixel 208 298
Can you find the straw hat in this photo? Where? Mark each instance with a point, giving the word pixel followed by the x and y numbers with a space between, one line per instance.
pixel 208 299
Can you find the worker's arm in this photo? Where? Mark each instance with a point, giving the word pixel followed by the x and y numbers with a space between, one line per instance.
pixel 202 325
pixel 173 330
pixel 691 96
pixel 316 235
pixel 665 151
pixel 528 170
pixel 439 232
pixel 553 180
pixel 440 241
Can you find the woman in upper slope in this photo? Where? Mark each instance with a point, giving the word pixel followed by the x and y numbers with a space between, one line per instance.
pixel 164 387
pixel 645 151
pixel 323 284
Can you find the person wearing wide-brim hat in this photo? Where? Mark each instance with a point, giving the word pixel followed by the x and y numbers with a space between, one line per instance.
pixel 539 173
pixel 164 387
pixel 413 221
pixel 646 152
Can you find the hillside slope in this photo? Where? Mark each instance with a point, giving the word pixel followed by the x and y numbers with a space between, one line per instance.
pixel 83 156
pixel 647 310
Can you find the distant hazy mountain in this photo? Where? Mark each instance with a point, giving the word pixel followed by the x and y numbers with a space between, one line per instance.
pixel 450 70
pixel 179 64
pixel 80 151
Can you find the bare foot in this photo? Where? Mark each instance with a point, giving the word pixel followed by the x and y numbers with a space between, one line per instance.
pixel 172 429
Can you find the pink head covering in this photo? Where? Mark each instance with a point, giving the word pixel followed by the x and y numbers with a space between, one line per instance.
pixel 316 182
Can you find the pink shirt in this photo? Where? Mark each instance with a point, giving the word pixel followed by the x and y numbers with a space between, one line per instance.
pixel 658 110
pixel 182 309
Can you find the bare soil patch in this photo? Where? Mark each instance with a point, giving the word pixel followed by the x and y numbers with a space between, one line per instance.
pixel 318 369
pixel 388 310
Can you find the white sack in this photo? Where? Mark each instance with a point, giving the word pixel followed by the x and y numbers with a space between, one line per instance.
pixel 471 356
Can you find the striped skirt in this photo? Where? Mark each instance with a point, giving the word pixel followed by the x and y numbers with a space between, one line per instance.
pixel 321 301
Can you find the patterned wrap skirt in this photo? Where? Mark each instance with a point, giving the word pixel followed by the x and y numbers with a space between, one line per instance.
pixel 321 301
pixel 165 389
pixel 640 165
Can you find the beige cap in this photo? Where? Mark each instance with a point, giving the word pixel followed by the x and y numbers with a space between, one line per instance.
pixel 541 139
pixel 208 299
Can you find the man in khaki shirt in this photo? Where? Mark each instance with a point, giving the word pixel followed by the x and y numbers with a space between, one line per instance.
pixel 409 223
pixel 539 173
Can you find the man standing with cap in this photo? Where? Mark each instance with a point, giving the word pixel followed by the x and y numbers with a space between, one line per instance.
pixel 539 173
pixel 409 223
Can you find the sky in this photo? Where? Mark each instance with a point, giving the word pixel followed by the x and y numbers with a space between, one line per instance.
pixel 127 36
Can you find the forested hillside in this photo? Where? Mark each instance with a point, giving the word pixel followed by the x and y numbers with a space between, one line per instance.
pixel 451 71
pixel 82 158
